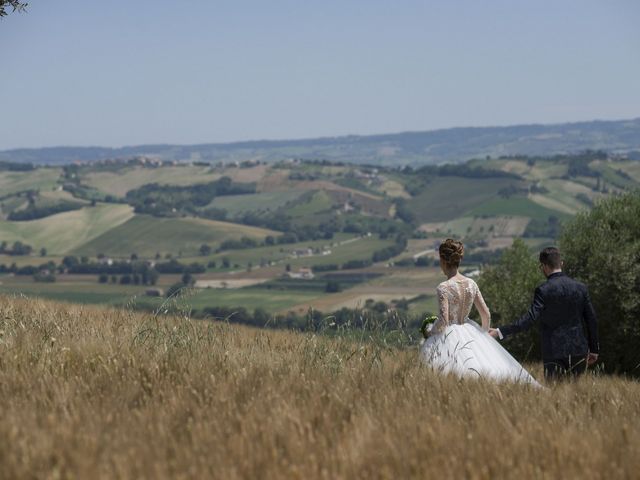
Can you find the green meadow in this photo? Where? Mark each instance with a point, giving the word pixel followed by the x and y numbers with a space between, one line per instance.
pixel 92 292
pixel 88 292
pixel 484 210
pixel 356 249
pixel 119 182
pixel 272 253
pixel 146 236
pixel 515 206
pixel 69 231
pixel 317 202
pixel 446 198
pixel 237 204
pixel 38 179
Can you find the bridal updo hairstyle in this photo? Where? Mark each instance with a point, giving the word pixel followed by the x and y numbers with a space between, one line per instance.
pixel 451 252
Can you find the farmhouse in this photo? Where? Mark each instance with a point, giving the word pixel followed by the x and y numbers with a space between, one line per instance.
pixel 303 273
pixel 302 252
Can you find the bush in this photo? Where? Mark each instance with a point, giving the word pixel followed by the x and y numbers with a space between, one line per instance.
pixel 27 270
pixel 325 268
pixel 380 307
pixel 353 264
pixel 44 277
pixel 404 212
pixel 602 249
pixel 34 212
pixel 174 266
pixel 187 279
pixel 541 228
pixel 242 243
pixel 18 248
pixel 261 316
pixel 390 251
pixel 332 287
pixel 170 200
pixel 508 291
pixel 423 261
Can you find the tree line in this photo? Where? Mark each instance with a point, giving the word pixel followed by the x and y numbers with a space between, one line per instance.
pixel 171 200
pixel 601 248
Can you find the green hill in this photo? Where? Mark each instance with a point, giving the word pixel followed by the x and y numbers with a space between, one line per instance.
pixel 66 232
pixel 146 236
pixel 321 215
pixel 414 148
pixel 297 196
pixel 446 198
pixel 119 182
pixel 38 179
pixel 518 206
pixel 264 201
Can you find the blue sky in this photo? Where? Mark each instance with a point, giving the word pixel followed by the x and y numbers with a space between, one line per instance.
pixel 78 72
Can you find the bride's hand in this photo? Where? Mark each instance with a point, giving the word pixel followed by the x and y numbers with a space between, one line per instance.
pixel 494 333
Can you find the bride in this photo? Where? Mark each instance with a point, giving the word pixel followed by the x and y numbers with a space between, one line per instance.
pixel 457 344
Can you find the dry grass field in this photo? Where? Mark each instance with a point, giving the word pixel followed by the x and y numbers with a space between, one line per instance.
pixel 97 393
pixel 118 183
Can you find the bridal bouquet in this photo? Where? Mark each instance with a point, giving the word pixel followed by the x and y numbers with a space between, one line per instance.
pixel 427 325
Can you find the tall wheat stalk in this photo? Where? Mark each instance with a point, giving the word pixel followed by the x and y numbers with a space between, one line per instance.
pixel 87 392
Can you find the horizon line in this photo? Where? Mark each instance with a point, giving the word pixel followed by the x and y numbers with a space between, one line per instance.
pixel 325 137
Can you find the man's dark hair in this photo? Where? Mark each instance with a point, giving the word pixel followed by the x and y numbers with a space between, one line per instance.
pixel 550 257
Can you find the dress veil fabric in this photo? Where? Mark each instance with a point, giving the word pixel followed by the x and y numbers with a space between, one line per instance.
pixel 469 351
pixel 459 345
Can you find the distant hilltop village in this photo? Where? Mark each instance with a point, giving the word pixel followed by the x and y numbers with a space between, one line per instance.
pixel 368 172
pixel 156 162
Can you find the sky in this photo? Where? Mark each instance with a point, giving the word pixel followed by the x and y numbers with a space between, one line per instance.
pixel 118 73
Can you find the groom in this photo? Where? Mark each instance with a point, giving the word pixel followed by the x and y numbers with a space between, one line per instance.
pixel 568 321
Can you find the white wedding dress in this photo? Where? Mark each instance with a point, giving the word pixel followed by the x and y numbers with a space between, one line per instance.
pixel 459 345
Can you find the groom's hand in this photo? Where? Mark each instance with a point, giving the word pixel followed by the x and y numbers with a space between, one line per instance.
pixel 592 358
pixel 494 333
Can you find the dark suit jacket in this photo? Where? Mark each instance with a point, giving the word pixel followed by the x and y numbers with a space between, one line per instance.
pixel 567 319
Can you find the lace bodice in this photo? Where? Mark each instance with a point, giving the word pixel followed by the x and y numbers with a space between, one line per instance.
pixel 456 296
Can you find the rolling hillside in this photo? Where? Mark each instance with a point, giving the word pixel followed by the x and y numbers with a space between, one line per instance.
pixel 374 224
pixel 146 236
pixel 408 148
pixel 41 179
pixel 451 197
pixel 120 181
pixel 262 201
pixel 66 232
